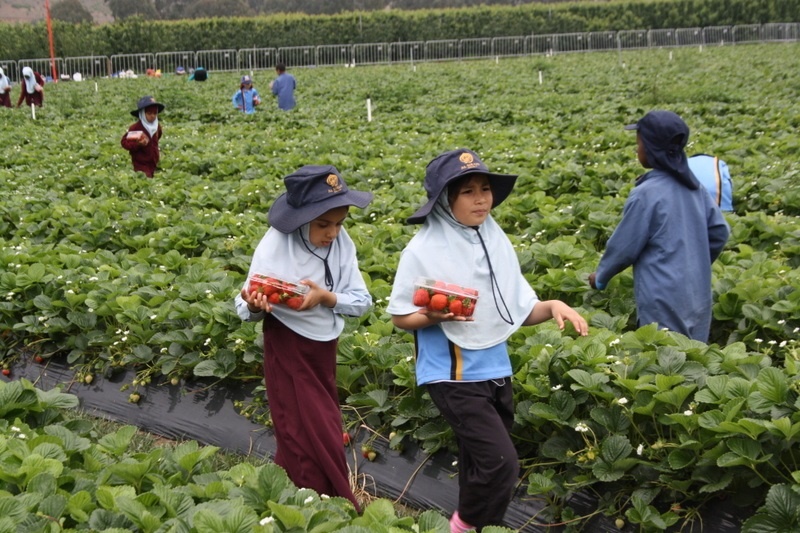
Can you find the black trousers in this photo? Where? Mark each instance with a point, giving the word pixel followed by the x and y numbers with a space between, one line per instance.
pixel 481 414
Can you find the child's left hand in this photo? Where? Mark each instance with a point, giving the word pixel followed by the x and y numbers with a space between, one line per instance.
pixel 316 296
pixel 563 313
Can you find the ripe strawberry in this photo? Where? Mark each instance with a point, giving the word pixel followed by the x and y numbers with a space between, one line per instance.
pixel 456 307
pixel 274 298
pixel 452 287
pixel 269 289
pixel 38 359
pixel 346 438
pixel 6 372
pixel 421 297
pixel 438 302
pixel 294 302
pixel 439 286
pixel 467 308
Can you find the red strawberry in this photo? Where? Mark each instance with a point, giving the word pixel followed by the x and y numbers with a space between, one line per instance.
pixel 468 308
pixel 452 287
pixel 269 289
pixel 274 298
pixel 438 302
pixel 346 438
pixel 457 307
pixel 421 297
pixel 294 302
pixel 6 372
pixel 439 286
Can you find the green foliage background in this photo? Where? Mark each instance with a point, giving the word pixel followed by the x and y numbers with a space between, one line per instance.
pixel 107 270
pixel 27 41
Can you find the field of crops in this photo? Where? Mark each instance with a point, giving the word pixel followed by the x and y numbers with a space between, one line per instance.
pixel 108 270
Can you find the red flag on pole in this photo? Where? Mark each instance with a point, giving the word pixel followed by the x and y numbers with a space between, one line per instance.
pixel 53 72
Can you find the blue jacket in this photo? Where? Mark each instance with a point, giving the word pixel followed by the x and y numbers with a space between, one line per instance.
pixel 250 97
pixel 670 234
pixel 283 87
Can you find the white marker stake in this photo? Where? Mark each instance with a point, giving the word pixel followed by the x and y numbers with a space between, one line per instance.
pixel 369 110
pixel 670 55
pixel 540 77
pixel 95 86
pixel 496 60
pixel 33 112
pixel 701 48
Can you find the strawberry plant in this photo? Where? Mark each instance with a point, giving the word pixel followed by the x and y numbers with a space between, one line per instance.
pixel 104 270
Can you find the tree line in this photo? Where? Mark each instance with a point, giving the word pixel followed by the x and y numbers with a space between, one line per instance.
pixel 73 11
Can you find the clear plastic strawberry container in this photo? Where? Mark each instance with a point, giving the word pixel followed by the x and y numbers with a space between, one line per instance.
pixel 442 297
pixel 279 291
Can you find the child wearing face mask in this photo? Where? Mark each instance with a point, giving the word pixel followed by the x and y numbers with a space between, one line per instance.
pixel 463 361
pixel 142 137
pixel 307 242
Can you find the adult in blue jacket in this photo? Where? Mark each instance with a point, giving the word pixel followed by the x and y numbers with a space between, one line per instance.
pixel 283 87
pixel 671 231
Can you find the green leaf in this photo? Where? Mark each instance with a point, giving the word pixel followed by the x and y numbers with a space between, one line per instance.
pixel 773 385
pixel 539 484
pixel 681 458
pixel 615 447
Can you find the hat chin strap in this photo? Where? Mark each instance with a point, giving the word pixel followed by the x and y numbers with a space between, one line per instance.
pixel 328 273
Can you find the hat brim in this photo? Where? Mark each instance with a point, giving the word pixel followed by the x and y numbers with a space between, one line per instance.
pixel 135 112
pixel 502 185
pixel 632 126
pixel 286 219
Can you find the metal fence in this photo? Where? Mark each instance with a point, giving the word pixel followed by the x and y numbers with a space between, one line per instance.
pixel 253 59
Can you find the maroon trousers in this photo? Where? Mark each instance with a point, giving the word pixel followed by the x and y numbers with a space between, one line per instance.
pixel 300 375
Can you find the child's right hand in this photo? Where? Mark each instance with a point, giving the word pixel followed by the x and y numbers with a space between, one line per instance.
pixel 436 317
pixel 257 301
pixel 143 140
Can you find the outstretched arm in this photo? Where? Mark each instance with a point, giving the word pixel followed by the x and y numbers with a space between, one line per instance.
pixel 558 311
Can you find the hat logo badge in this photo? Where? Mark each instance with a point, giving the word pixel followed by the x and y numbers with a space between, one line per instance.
pixel 333 181
pixel 466 158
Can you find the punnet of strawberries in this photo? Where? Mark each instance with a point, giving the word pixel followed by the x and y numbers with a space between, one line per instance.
pixel 279 291
pixel 443 297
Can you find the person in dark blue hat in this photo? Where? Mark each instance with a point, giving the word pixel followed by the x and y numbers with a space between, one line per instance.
pixel 308 245
pixel 670 233
pixel 142 137
pixel 463 360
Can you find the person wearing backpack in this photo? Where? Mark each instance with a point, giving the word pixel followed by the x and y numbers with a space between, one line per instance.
pixel 670 233
pixel 713 174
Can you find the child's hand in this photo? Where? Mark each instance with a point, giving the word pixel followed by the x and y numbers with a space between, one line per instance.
pixel 143 140
pixel 562 312
pixel 256 301
pixel 437 317
pixel 316 296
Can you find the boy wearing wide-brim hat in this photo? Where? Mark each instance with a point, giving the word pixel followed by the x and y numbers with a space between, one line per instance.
pixel 463 361
pixel 142 137
pixel 308 244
